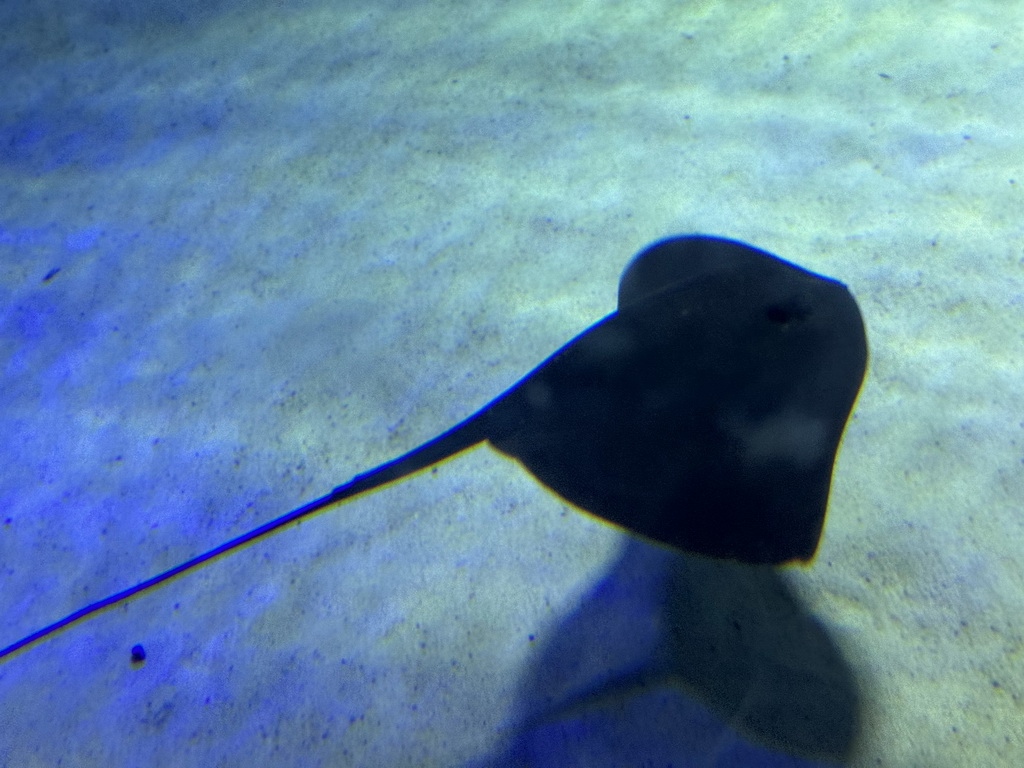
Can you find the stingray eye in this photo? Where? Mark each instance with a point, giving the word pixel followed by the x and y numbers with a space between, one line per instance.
pixel 787 313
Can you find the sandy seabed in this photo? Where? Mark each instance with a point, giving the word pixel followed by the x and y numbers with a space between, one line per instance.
pixel 248 251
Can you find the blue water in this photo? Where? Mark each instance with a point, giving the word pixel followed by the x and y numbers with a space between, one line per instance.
pixel 249 250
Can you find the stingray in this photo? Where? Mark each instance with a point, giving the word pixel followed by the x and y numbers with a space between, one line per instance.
pixel 704 414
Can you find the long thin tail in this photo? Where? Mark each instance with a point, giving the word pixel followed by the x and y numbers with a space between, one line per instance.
pixel 463 435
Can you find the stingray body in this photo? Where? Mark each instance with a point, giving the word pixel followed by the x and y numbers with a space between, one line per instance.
pixel 703 414
pixel 706 413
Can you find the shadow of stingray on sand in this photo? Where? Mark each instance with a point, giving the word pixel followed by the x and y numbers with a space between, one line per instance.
pixel 682 660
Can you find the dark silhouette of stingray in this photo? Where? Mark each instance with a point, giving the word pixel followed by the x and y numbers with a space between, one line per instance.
pixel 704 414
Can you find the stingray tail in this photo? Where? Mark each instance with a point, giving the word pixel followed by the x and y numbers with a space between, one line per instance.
pixel 459 438
pixel 463 435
